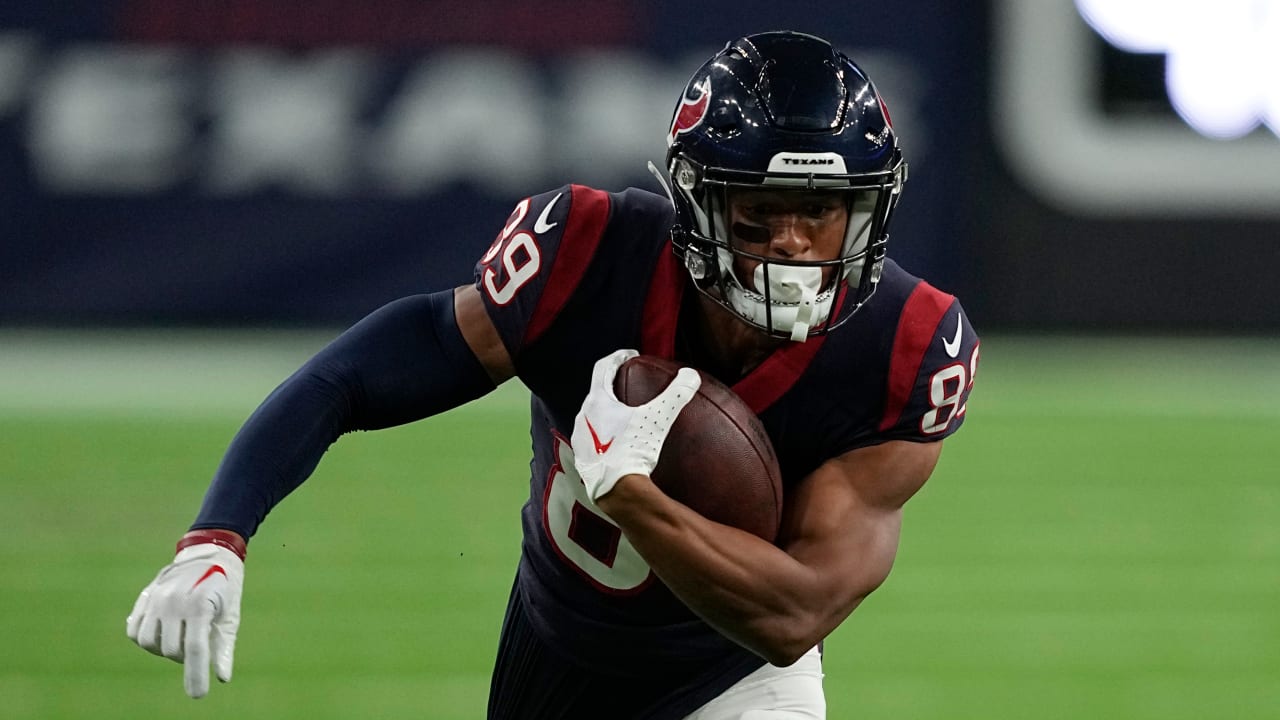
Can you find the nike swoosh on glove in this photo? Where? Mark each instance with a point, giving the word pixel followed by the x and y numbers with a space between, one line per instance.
pixel 191 609
pixel 612 439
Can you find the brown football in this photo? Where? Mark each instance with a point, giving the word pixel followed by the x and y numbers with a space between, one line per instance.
pixel 717 459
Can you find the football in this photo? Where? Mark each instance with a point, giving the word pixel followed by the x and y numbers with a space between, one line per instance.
pixel 717 459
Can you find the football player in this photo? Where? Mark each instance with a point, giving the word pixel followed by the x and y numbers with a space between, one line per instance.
pixel 765 265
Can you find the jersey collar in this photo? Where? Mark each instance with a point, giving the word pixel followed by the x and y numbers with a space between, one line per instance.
pixel 761 387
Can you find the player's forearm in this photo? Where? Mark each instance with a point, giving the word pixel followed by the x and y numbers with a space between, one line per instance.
pixel 749 590
pixel 278 447
pixel 404 362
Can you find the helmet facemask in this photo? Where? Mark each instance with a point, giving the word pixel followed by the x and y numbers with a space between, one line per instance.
pixel 785 298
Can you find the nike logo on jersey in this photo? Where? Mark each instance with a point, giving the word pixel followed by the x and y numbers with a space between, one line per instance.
pixel 601 448
pixel 213 570
pixel 541 225
pixel 953 346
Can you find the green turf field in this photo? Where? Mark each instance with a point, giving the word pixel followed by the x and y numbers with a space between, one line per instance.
pixel 1101 540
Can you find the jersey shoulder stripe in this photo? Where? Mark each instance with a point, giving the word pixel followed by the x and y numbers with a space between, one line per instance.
pixel 585 220
pixel 918 323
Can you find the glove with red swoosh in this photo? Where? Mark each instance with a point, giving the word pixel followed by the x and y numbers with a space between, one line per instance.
pixel 193 607
pixel 612 439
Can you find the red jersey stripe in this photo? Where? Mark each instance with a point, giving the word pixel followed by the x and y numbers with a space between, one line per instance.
pixel 763 386
pixel 781 370
pixel 917 325
pixel 662 306
pixel 588 215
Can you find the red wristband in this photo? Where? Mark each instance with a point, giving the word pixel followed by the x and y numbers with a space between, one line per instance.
pixel 221 538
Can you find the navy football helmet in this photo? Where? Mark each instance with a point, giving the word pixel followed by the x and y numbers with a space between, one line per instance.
pixel 783 111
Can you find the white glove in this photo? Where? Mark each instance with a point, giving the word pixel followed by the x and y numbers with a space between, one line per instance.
pixel 193 603
pixel 612 439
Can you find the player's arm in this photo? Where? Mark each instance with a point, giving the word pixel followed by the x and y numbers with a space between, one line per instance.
pixel 398 365
pixel 480 334
pixel 841 524
pixel 837 544
pixel 413 358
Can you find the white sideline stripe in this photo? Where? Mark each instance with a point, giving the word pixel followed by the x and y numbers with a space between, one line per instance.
pixel 173 373
pixel 223 374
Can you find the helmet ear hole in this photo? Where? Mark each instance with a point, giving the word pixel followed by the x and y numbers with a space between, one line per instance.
pixel 723 121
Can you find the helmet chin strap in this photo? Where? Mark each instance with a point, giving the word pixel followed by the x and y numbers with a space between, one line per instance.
pixel 795 304
pixel 653 170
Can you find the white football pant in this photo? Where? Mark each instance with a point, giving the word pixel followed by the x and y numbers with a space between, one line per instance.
pixel 773 693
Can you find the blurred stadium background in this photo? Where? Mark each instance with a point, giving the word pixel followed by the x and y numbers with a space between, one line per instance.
pixel 195 196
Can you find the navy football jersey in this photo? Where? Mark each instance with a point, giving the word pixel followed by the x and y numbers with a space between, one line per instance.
pixel 577 273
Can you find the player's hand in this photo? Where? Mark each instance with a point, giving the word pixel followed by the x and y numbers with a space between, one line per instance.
pixel 612 439
pixel 190 611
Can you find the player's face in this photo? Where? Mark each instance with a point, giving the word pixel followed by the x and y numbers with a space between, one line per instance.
pixel 787 225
